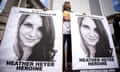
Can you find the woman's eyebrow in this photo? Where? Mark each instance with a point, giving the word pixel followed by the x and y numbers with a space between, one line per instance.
pixel 86 26
pixel 28 24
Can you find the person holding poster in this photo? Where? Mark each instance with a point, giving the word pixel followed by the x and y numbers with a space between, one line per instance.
pixel 35 38
pixel 67 57
pixel 94 38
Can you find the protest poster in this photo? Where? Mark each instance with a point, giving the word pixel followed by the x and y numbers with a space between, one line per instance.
pixel 92 44
pixel 32 41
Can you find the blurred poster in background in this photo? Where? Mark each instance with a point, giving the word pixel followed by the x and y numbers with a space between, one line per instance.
pixel 92 44
pixel 116 5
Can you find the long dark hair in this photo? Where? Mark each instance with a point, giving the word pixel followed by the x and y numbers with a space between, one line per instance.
pixel 102 47
pixel 42 51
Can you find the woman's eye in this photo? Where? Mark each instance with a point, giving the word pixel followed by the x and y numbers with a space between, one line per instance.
pixel 40 28
pixel 96 30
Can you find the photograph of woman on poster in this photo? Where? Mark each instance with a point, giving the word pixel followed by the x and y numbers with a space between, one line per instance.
pixel 94 37
pixel 35 38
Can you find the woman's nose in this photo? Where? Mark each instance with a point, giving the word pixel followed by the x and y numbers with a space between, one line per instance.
pixel 33 33
pixel 92 33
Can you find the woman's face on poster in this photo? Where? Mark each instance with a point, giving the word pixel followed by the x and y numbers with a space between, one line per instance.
pixel 30 31
pixel 88 31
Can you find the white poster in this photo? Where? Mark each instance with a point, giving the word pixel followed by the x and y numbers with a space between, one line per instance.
pixel 92 44
pixel 32 41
